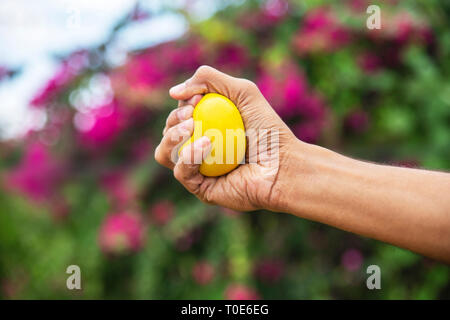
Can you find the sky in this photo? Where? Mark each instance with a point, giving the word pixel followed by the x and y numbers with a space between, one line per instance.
pixel 32 32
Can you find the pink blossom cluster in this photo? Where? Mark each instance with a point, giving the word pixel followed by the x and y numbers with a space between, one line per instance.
pixel 289 94
pixel 67 72
pixel 37 175
pixel 321 31
pixel 122 232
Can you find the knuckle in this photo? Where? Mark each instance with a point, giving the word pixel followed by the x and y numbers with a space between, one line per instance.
pixel 172 115
pixel 157 155
pixel 177 173
pixel 203 72
pixel 249 85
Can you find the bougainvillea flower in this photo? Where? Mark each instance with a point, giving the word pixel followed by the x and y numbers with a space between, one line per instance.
pixel 121 233
pixel 352 259
pixel 162 212
pixel 100 127
pixel 269 270
pixel 357 121
pixel 67 72
pixel 321 31
pixel 240 292
pixel 203 272
pixel 38 174
pixel 120 190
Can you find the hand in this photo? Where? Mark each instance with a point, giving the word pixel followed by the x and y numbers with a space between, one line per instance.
pixel 253 185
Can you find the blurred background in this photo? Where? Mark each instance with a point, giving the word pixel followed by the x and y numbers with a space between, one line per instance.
pixel 83 100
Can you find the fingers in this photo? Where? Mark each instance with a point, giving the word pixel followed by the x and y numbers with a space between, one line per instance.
pixel 178 115
pixel 183 112
pixel 207 79
pixel 192 101
pixel 166 151
pixel 186 169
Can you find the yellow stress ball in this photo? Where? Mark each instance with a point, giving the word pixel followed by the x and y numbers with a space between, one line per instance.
pixel 216 117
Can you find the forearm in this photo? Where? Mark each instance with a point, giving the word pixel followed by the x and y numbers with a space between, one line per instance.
pixel 405 207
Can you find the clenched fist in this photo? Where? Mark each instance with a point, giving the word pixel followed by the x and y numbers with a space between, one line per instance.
pixel 254 184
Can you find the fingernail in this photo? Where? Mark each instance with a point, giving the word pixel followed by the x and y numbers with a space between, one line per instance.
pixel 187 125
pixel 184 113
pixel 202 143
pixel 178 89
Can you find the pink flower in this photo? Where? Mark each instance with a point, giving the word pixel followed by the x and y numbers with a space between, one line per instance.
pixel 275 9
pixel 145 72
pixel 240 292
pixel 203 272
pixel 358 6
pixel 38 174
pixel 271 13
pixel 308 131
pixel 69 69
pixel 121 233
pixel 289 94
pixel 162 212
pixel 369 62
pixel 269 270
pixel 321 32
pixel 119 188
pixel 401 28
pixel 232 58
pixel 101 126
pixel 141 149
pixel 357 121
pixel 285 93
pixel 352 259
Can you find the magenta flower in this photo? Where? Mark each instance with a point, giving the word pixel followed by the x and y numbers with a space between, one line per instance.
pixel 269 270
pixel 162 212
pixel 186 57
pixel 69 69
pixel 369 62
pixel 119 189
pixel 203 272
pixel 38 174
pixel 357 121
pixel 308 131
pixel 321 32
pixel 121 233
pixel 240 292
pixel 271 13
pixel 289 94
pixel 232 58
pixel 285 92
pixel 401 28
pixel 352 259
pixel 145 72
pixel 101 126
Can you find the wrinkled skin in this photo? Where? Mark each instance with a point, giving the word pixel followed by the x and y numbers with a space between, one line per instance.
pixel 250 186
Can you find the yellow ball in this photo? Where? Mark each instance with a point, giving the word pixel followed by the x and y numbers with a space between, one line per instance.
pixel 216 117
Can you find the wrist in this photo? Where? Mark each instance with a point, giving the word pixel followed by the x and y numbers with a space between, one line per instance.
pixel 305 174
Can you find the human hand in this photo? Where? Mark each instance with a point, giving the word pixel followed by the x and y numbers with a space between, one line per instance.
pixel 253 185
